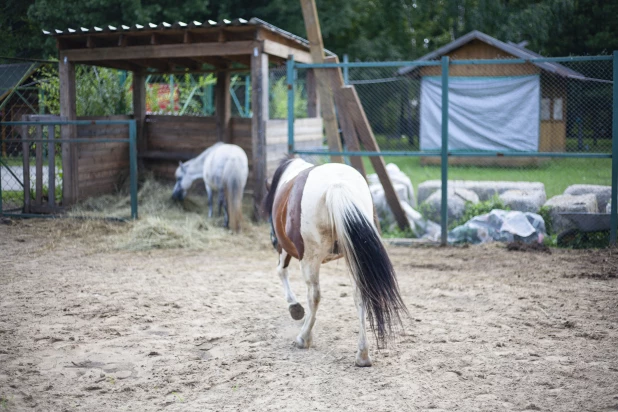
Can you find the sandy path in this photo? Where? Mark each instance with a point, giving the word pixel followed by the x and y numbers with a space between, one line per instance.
pixel 181 331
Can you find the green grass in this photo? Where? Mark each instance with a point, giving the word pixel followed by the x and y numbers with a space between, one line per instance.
pixel 557 174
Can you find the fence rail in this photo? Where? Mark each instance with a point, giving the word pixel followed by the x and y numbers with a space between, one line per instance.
pixel 131 141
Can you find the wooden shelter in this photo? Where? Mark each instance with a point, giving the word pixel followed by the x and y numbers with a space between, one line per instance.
pixel 222 47
pixel 553 85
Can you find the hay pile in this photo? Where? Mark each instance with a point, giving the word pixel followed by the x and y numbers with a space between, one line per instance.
pixel 166 224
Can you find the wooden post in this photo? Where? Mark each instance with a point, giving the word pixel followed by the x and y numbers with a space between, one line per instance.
pixel 259 106
pixel 347 125
pixel 38 183
pixel 25 145
pixel 351 104
pixel 316 46
pixel 223 107
pixel 66 72
pixel 313 101
pixel 139 110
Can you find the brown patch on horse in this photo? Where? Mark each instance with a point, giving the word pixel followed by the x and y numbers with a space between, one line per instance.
pixel 292 225
pixel 279 218
pixel 286 215
pixel 286 262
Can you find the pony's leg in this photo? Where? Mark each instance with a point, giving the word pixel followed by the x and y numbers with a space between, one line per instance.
pixel 311 273
pixel 296 310
pixel 362 356
pixel 221 200
pixel 209 193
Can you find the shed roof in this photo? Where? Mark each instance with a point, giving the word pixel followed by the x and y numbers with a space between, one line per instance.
pixel 217 44
pixel 510 48
pixel 12 75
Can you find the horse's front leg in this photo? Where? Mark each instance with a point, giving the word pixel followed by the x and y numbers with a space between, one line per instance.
pixel 310 267
pixel 296 310
pixel 362 356
pixel 209 193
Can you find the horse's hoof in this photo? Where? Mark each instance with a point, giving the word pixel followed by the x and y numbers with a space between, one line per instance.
pixel 301 343
pixel 297 311
pixel 362 361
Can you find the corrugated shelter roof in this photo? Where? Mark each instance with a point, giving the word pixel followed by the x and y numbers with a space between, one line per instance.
pixel 12 75
pixel 181 25
pixel 510 48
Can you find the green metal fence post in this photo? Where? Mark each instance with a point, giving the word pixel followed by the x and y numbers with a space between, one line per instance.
pixel 346 70
pixel 171 84
pixel 614 210
pixel 444 152
pixel 133 167
pixel 290 78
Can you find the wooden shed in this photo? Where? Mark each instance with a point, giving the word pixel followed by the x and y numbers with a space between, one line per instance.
pixel 550 100
pixel 222 47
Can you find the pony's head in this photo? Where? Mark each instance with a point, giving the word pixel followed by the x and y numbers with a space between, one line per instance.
pixel 183 182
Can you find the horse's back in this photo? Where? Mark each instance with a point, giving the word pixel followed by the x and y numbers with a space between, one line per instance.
pixel 225 160
pixel 315 224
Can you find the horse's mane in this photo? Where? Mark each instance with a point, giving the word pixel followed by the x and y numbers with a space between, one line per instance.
pixel 270 197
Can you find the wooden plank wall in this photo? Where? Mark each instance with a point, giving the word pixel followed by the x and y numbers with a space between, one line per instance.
pixel 177 134
pixel 308 134
pixel 101 167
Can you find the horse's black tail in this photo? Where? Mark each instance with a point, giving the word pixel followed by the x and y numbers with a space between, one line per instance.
pixel 368 261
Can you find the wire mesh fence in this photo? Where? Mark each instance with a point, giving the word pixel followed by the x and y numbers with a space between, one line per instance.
pixel 533 136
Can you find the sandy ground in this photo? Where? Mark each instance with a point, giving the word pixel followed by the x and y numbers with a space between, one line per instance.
pixel 85 328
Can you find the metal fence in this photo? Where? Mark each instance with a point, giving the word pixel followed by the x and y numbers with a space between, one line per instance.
pixel 447 123
pixel 35 177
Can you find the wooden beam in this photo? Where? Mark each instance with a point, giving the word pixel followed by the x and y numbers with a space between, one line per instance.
pixel 283 51
pixel 350 136
pixel 139 110
pixel 313 101
pixel 316 46
pixel 259 106
pixel 351 104
pixel 66 73
pixel 161 51
pixel 223 107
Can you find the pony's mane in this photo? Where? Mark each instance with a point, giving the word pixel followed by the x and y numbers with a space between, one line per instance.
pixel 270 197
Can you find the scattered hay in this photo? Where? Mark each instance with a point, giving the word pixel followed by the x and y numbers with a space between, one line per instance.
pixel 167 224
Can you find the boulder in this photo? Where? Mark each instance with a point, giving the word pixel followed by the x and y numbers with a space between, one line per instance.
pixel 602 193
pixel 456 200
pixel 524 200
pixel 484 189
pixel 405 192
pixel 569 204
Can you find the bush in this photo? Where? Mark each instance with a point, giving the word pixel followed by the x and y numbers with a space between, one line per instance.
pixel 544 213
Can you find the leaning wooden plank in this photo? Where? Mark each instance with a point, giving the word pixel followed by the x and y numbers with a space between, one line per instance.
pixel 365 134
pixel 316 46
pixel 347 126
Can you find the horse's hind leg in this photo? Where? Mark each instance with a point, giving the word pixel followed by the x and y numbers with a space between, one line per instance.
pixel 311 273
pixel 221 199
pixel 209 193
pixel 296 310
pixel 362 356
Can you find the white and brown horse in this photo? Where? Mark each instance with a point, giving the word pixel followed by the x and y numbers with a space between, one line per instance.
pixel 225 168
pixel 322 213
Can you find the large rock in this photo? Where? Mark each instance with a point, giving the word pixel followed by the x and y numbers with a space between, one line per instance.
pixel 484 189
pixel 405 191
pixel 602 193
pixel 456 200
pixel 524 200
pixel 569 204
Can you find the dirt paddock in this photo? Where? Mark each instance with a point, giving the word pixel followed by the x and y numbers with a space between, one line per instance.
pixel 84 327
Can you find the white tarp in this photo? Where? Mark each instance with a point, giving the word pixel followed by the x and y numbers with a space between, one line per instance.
pixel 485 113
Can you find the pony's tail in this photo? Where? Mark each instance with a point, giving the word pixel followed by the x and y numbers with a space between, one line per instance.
pixel 233 188
pixel 368 261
